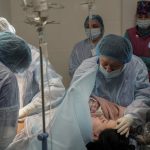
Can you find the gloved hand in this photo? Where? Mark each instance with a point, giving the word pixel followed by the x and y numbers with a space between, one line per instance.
pixel 123 124
pixel 27 110
pixel 22 113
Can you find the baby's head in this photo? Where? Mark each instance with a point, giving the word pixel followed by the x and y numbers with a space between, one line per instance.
pixel 94 105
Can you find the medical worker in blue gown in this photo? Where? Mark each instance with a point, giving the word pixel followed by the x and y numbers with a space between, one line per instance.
pixel 29 80
pixel 94 29
pixel 121 77
pixel 15 57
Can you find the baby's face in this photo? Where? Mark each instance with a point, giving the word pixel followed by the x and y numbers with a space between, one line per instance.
pixel 94 105
pixel 100 124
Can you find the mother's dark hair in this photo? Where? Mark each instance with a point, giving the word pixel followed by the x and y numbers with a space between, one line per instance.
pixel 109 139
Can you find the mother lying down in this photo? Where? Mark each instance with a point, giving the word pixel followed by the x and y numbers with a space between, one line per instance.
pixel 104 116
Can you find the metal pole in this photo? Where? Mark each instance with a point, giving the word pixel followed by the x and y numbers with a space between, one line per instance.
pixel 43 136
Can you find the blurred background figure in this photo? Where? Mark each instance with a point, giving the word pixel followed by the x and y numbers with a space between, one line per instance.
pixel 29 81
pixel 94 29
pixel 15 57
pixel 140 34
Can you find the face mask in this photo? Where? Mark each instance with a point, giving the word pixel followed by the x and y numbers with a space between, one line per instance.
pixel 93 33
pixel 21 74
pixel 20 71
pixel 143 23
pixel 93 51
pixel 112 74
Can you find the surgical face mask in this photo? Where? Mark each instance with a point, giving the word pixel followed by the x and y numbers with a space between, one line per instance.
pixel 20 71
pixel 143 23
pixel 93 33
pixel 21 74
pixel 111 74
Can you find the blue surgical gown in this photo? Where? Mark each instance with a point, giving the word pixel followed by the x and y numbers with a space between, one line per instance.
pixel 9 106
pixel 81 51
pixel 130 89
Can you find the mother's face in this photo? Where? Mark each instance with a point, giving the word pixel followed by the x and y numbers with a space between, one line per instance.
pixel 100 124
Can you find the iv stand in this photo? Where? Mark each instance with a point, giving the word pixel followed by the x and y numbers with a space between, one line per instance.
pixel 38 18
pixel 40 22
pixel 43 136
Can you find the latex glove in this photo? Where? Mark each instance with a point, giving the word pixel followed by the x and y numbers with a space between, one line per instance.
pixel 123 124
pixel 57 89
pixel 22 113
pixel 27 110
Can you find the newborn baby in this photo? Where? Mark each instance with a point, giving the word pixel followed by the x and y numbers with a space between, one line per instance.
pixel 104 115
pixel 95 106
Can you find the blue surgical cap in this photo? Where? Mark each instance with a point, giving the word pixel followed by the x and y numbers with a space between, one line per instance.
pixel 99 19
pixel 14 52
pixel 116 47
